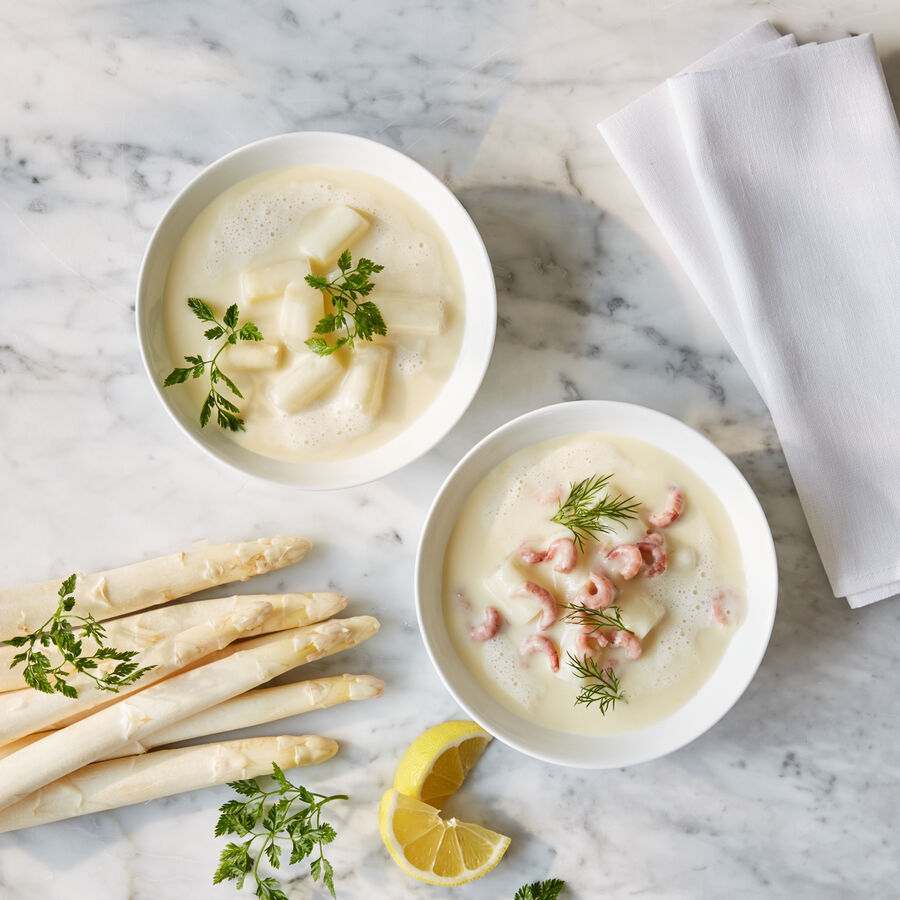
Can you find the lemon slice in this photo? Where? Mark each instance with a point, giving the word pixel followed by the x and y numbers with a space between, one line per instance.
pixel 437 761
pixel 446 852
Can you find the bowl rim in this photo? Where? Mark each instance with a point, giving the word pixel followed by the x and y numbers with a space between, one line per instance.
pixel 768 566
pixel 475 371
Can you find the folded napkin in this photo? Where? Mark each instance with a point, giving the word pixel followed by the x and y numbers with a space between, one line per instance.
pixel 774 172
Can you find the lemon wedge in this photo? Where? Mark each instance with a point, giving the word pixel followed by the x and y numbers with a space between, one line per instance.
pixel 440 851
pixel 432 849
pixel 437 761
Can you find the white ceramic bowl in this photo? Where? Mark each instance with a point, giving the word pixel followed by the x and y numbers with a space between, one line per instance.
pixel 317 148
pixel 743 654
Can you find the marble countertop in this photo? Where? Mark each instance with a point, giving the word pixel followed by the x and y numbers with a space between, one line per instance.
pixel 108 110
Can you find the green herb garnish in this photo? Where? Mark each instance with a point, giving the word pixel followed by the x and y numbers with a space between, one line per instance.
pixel 540 890
pixel 227 414
pixel 596 618
pixel 584 509
pixel 603 688
pixel 258 817
pixel 59 631
pixel 358 317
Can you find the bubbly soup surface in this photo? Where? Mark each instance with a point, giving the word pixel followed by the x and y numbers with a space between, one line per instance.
pixel 259 234
pixel 682 606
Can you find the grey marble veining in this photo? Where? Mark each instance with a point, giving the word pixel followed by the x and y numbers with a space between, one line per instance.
pixel 108 110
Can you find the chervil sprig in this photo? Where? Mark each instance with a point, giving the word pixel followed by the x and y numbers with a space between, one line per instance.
pixel 540 890
pixel 596 618
pixel 275 822
pixel 603 688
pixel 358 317
pixel 227 413
pixel 584 510
pixel 59 631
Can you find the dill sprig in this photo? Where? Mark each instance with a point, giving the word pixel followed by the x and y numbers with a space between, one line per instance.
pixel 604 687
pixel 258 817
pixel 611 617
pixel 358 317
pixel 59 631
pixel 227 413
pixel 584 509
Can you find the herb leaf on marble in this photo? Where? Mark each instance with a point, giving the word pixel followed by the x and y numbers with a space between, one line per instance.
pixel 227 413
pixel 356 316
pixel 583 512
pixel 540 890
pixel 275 817
pixel 60 632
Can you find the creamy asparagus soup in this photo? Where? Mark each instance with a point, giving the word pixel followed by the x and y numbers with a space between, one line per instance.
pixel 581 629
pixel 255 246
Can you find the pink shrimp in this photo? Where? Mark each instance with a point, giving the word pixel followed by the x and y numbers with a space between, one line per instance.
pixel 631 559
pixel 530 556
pixel 597 593
pixel 718 612
pixel 664 517
pixel 537 643
pixel 564 548
pixel 653 554
pixel 549 611
pixel 553 496
pixel 583 639
pixel 630 643
pixel 488 628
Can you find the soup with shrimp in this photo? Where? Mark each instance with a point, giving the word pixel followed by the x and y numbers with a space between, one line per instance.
pixel 592 582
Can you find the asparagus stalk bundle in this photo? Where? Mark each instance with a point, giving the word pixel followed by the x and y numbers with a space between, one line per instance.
pixel 105 595
pixel 246 710
pixel 25 711
pixel 135 779
pixel 143 630
pixel 138 715
pixel 63 756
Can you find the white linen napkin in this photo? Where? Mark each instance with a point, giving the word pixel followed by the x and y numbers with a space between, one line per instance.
pixel 780 193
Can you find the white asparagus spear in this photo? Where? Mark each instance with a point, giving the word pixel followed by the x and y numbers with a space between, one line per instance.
pixel 411 314
pixel 362 389
pixel 270 281
pixel 258 643
pixel 143 630
pixel 115 592
pixel 288 611
pixel 502 586
pixel 25 711
pixel 641 614
pixel 329 230
pixel 246 710
pixel 307 379
pixel 254 357
pixel 135 717
pixel 136 779
pixel 269 705
pixel 301 309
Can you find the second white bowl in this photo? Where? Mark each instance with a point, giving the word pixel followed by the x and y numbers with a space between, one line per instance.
pixel 743 654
